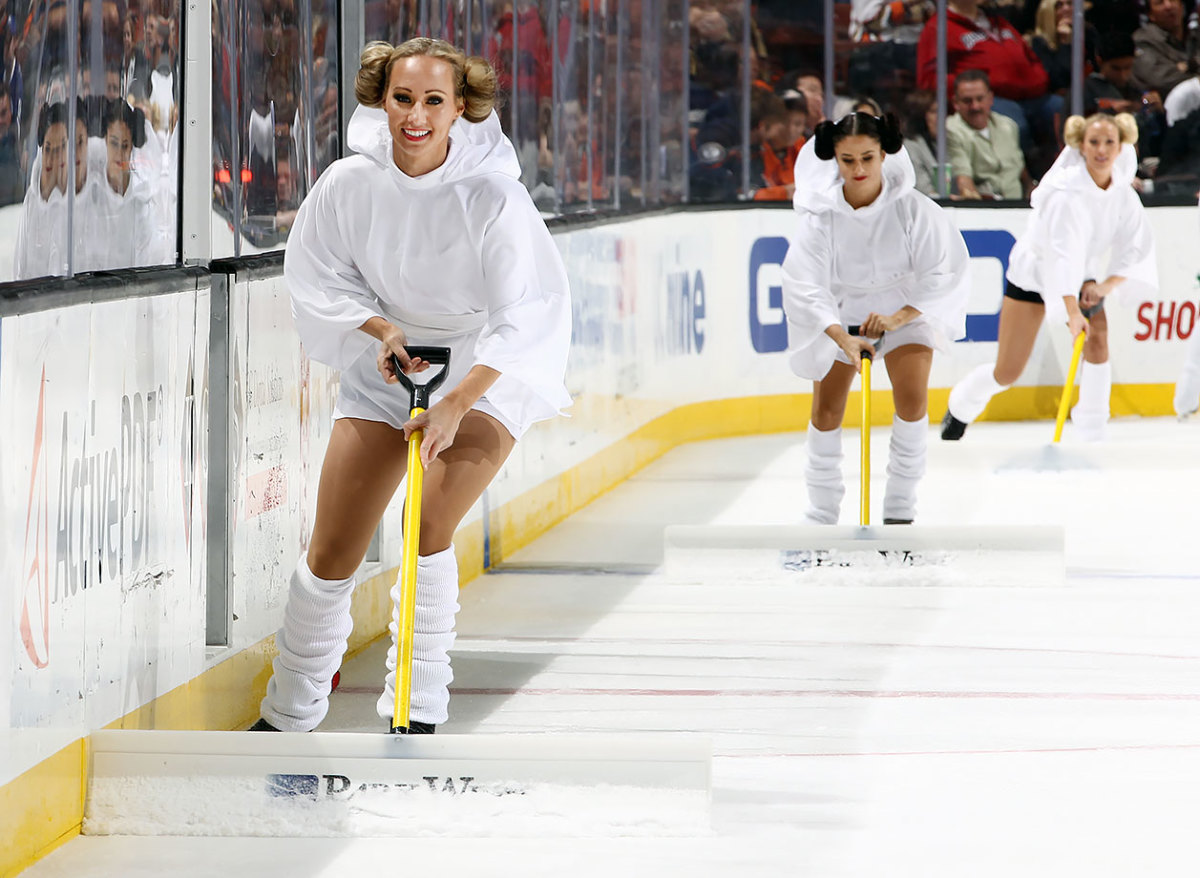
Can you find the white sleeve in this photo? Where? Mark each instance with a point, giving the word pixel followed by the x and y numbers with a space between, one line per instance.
pixel 527 335
pixel 1133 254
pixel 808 299
pixel 941 264
pixel 330 297
pixel 1067 231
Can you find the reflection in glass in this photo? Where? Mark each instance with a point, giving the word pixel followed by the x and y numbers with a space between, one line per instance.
pixel 276 105
pixel 111 70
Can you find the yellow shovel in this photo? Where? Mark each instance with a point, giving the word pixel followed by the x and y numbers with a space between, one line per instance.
pixel 864 488
pixel 1064 404
pixel 406 607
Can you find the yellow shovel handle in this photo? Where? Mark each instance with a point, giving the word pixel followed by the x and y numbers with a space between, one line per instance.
pixel 864 502
pixel 1064 404
pixel 406 608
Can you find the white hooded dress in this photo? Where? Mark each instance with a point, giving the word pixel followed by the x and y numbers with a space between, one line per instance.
pixel 1080 232
pixel 902 249
pixel 458 258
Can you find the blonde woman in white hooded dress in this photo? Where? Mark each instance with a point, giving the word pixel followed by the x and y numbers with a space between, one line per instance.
pixel 425 237
pixel 870 251
pixel 1089 238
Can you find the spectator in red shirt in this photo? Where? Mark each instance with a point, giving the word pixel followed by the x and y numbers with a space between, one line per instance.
pixel 978 40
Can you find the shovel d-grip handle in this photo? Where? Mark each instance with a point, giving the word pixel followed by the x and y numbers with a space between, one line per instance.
pixel 855 329
pixel 419 393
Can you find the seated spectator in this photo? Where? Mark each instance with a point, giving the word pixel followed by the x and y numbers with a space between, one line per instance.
pixel 919 118
pixel 808 83
pixel 1164 58
pixel 978 40
pixel 772 166
pixel 1111 89
pixel 983 146
pixel 1052 41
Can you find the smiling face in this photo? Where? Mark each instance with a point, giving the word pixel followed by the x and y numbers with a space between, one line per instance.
pixel 860 161
pixel 421 106
pixel 1100 147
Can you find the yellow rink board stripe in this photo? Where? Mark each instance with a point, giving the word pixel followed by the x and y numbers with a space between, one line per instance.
pixel 45 804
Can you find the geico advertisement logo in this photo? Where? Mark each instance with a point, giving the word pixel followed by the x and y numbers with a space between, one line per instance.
pixel 97 527
pixel 768 324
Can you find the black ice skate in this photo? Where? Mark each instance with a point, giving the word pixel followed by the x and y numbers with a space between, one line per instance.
pixel 415 727
pixel 952 427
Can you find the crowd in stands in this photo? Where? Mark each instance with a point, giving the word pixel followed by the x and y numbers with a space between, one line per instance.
pixel 1009 81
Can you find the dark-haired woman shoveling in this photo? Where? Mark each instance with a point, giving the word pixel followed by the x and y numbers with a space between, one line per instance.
pixel 870 250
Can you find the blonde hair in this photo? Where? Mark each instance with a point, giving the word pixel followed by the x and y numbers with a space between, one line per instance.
pixel 1125 124
pixel 474 78
pixel 1046 23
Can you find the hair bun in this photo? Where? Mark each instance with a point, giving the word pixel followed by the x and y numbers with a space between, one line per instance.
pixel 824 145
pixel 891 138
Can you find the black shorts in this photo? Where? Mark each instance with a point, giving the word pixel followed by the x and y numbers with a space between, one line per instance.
pixel 1021 295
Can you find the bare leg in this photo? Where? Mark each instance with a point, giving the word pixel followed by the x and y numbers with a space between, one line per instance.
pixel 830 394
pixel 1019 325
pixel 363 466
pixel 908 368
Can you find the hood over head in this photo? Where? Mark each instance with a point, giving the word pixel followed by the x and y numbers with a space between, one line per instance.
pixel 819 183
pixel 476 148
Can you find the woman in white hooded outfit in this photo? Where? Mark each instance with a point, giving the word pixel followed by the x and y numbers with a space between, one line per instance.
pixel 41 239
pixel 871 251
pixel 426 237
pixel 1088 238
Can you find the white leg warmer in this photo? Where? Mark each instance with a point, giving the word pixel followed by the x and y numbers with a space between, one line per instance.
pixel 823 473
pixel 1089 417
pixel 316 624
pixel 433 636
pixel 906 466
pixel 970 396
pixel 1187 388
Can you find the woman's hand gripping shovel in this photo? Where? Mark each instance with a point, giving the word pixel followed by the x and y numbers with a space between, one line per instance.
pixel 419 394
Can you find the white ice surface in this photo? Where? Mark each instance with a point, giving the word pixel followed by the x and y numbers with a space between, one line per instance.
pixel 869 727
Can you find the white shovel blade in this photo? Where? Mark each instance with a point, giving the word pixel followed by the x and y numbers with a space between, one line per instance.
pixel 264 783
pixel 1032 555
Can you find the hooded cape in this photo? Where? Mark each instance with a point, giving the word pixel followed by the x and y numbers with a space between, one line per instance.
pixel 843 263
pixel 457 257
